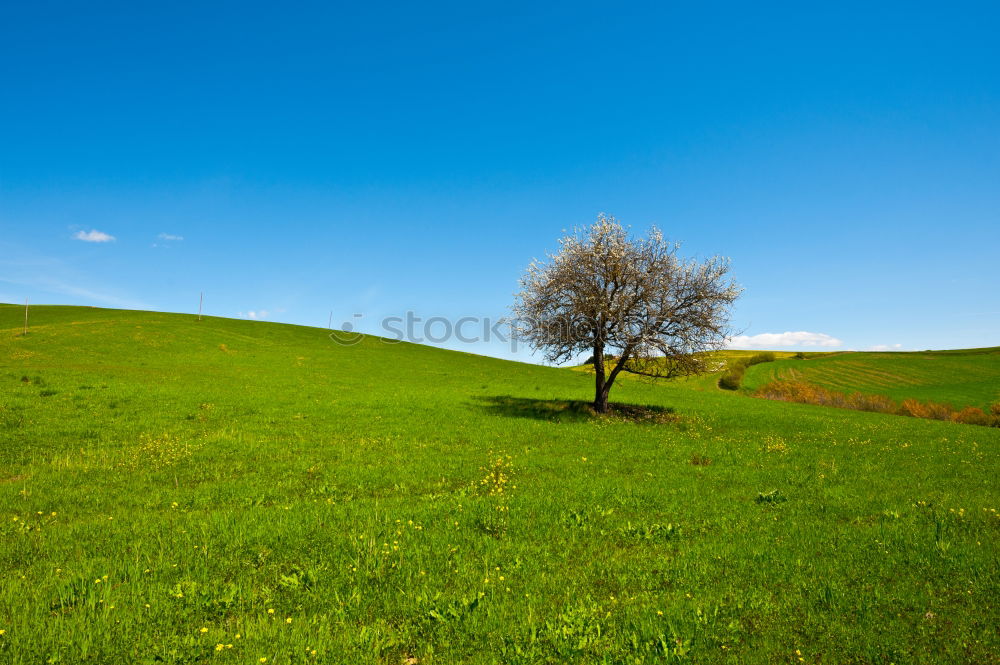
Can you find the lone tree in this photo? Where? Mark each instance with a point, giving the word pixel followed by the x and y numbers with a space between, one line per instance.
pixel 631 302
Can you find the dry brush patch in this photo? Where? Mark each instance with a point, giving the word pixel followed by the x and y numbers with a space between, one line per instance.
pixel 803 392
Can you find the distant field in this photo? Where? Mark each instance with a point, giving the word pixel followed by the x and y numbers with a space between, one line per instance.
pixel 968 377
pixel 737 354
pixel 717 361
pixel 223 491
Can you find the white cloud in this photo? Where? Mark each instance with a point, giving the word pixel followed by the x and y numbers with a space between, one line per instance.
pixel 93 236
pixel 170 237
pixel 885 347
pixel 255 314
pixel 785 339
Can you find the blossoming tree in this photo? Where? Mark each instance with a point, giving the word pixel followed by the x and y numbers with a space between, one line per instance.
pixel 631 302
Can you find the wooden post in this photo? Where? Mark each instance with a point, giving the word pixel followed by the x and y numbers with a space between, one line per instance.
pixel 25 318
pixel 201 299
pixel 329 324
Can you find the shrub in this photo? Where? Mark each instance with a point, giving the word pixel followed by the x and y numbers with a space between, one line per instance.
pixel 995 409
pixel 913 408
pixel 970 415
pixel 940 411
pixel 932 410
pixel 758 358
pixel 873 403
pixel 732 378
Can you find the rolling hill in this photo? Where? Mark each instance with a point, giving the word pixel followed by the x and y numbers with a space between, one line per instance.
pixel 225 491
pixel 966 377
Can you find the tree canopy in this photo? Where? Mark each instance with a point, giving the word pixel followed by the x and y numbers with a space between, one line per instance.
pixel 632 303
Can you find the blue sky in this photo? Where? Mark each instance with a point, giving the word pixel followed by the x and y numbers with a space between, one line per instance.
pixel 379 158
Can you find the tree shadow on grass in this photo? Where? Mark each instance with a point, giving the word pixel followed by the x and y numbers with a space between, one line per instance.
pixel 575 411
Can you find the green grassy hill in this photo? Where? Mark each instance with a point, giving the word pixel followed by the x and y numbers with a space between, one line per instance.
pixel 175 491
pixel 968 377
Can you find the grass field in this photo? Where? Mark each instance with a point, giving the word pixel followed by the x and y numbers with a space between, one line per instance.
pixel 224 491
pixel 969 377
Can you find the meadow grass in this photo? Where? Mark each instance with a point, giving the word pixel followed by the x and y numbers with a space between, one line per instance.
pixel 175 491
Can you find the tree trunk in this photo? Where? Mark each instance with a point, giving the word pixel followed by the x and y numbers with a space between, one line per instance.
pixel 600 387
pixel 605 381
pixel 601 401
